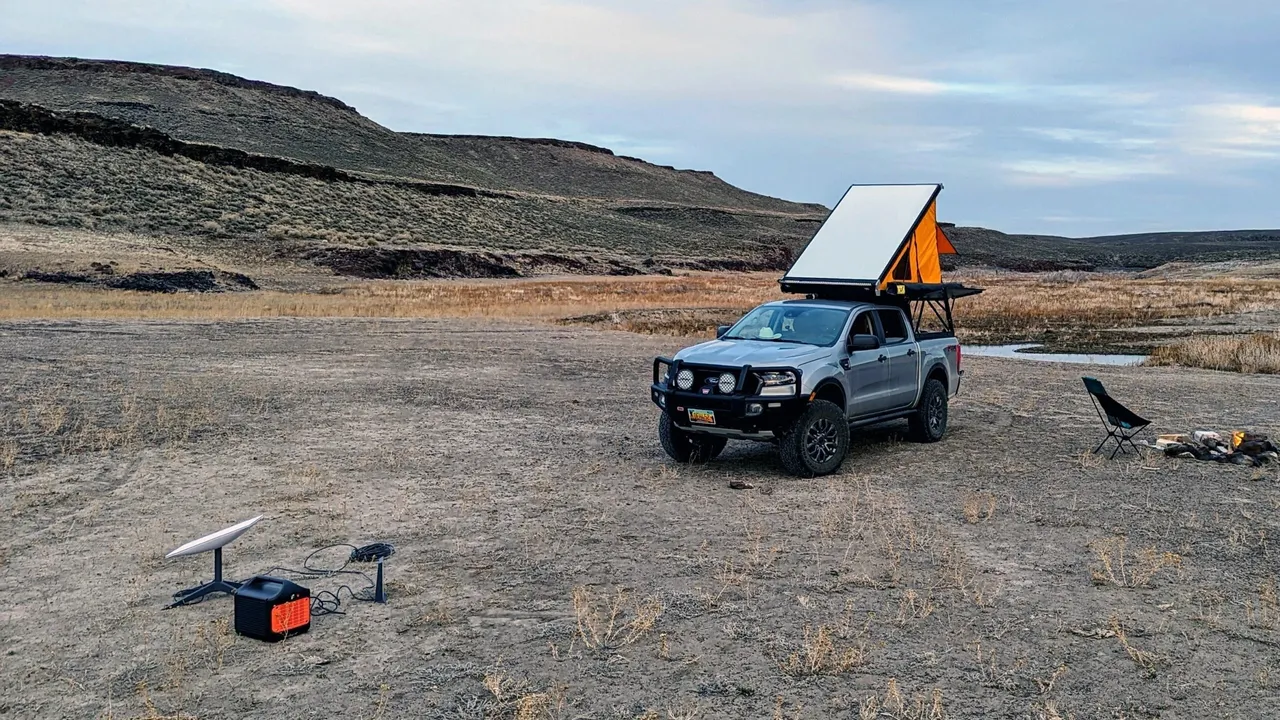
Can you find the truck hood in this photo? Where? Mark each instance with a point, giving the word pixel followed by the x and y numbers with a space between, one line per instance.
pixel 759 353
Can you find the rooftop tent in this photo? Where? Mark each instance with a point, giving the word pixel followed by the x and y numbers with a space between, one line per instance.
pixel 876 235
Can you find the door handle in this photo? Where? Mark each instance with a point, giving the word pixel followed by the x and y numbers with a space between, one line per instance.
pixel 911 352
pixel 882 358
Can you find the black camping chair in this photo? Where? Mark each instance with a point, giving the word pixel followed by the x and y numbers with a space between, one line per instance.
pixel 1120 422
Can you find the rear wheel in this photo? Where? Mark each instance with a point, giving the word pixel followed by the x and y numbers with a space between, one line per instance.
pixel 686 447
pixel 817 441
pixel 929 422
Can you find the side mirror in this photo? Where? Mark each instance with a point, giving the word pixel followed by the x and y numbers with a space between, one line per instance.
pixel 863 342
pixel 722 329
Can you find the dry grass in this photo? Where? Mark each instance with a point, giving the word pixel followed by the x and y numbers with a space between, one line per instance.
pixel 60 420
pixel 820 654
pixel 1265 612
pixel 1117 566
pixel 513 698
pixel 1257 353
pixel 897 707
pixel 151 711
pixel 1017 301
pixel 518 299
pixel 610 623
pixel 979 507
pixel 914 606
pixel 1012 302
pixel 214 640
pixel 1142 658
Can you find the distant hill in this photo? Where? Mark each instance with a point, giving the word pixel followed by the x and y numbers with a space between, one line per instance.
pixel 980 246
pixel 207 162
pixel 211 107
pixel 277 172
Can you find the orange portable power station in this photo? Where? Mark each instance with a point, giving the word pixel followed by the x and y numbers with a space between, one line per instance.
pixel 271 609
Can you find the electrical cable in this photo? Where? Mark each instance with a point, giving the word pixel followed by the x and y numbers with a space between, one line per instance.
pixel 329 602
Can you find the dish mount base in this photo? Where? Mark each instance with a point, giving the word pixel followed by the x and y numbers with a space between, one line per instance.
pixel 195 594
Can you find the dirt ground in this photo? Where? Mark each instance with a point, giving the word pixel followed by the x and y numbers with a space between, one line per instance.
pixel 1001 573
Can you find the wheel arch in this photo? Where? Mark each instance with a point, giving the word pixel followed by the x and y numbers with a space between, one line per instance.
pixel 938 372
pixel 832 391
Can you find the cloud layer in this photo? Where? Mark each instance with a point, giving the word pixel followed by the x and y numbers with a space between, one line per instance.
pixel 1080 119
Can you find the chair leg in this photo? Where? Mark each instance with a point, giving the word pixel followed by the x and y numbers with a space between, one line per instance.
pixel 1119 448
pixel 1096 450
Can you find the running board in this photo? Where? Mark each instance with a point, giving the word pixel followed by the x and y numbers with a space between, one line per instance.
pixel 877 419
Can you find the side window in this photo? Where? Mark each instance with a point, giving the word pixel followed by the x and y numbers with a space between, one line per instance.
pixel 862 325
pixel 895 328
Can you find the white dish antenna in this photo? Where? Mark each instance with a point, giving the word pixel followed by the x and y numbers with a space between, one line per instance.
pixel 213 541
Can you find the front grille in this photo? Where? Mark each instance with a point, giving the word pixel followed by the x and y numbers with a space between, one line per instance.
pixel 708 378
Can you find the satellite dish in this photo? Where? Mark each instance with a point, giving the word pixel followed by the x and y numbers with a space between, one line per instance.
pixel 214 542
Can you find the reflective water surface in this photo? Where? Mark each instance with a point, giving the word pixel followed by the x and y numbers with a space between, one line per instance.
pixel 1016 352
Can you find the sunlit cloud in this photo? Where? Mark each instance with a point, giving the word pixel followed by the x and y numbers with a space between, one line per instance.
pixel 1102 138
pixel 665 47
pixel 1237 130
pixel 1067 171
pixel 891 84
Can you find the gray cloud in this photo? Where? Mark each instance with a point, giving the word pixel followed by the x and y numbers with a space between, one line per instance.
pixel 1046 117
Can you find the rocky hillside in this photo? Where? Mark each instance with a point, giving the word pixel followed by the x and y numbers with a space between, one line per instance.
pixel 205 162
pixel 211 107
pixel 209 160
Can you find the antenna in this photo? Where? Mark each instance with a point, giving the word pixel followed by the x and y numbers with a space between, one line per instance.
pixel 214 542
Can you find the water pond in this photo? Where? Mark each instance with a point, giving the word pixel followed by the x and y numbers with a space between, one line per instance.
pixel 1019 352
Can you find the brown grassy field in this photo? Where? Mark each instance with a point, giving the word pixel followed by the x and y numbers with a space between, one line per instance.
pixel 1212 322
pixel 1256 353
pixel 1015 305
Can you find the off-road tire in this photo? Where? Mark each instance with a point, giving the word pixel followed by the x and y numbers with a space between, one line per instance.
pixel 686 447
pixel 929 422
pixel 816 442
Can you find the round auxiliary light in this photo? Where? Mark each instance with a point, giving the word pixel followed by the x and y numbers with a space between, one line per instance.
pixel 684 380
pixel 727 383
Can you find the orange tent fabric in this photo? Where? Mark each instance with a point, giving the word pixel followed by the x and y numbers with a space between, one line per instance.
pixel 944 244
pixel 919 260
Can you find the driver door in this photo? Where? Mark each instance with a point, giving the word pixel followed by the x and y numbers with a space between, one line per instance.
pixel 866 374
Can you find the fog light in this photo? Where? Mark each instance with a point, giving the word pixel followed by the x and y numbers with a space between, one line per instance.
pixel 662 400
pixel 684 379
pixel 728 381
pixel 754 409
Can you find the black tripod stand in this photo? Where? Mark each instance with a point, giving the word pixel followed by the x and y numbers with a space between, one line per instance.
pixel 195 594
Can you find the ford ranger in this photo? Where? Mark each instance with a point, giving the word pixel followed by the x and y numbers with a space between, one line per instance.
pixel 803 373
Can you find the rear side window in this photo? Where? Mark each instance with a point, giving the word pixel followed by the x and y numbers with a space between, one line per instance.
pixel 862 325
pixel 895 328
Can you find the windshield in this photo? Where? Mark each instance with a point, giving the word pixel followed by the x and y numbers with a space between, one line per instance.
pixel 800 324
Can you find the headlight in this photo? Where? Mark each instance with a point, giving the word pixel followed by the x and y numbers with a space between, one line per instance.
pixel 684 380
pixel 777 384
pixel 727 383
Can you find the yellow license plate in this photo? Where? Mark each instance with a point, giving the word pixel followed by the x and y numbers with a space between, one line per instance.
pixel 702 417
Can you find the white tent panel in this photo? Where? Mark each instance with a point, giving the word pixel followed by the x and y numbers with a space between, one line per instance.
pixel 861 236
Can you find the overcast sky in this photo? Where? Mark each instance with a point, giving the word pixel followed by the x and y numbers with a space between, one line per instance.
pixel 1081 118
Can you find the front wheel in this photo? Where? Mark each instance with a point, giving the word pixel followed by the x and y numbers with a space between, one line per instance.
pixel 929 422
pixel 817 441
pixel 686 447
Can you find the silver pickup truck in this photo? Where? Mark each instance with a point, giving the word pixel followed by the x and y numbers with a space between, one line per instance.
pixel 803 373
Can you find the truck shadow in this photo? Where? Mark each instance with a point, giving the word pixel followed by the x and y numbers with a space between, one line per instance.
pixel 762 458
